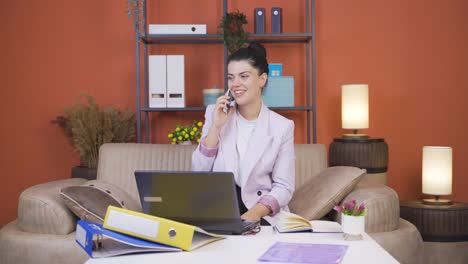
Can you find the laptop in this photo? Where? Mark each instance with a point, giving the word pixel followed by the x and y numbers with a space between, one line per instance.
pixel 204 199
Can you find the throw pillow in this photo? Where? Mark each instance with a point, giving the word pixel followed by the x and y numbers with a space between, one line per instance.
pixel 319 195
pixel 90 201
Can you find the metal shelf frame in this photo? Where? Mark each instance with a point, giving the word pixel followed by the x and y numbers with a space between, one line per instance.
pixel 144 39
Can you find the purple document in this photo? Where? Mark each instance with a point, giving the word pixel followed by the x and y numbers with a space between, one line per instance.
pixel 304 253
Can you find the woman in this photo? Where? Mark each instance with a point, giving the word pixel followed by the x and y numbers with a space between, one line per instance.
pixel 248 139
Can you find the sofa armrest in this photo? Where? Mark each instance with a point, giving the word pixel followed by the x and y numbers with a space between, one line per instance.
pixel 382 203
pixel 42 210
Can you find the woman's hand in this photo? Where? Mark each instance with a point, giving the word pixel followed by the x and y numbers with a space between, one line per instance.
pixel 256 213
pixel 219 119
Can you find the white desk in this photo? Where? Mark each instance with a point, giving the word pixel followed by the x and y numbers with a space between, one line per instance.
pixel 247 249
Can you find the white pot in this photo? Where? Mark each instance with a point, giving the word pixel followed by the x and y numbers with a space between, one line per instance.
pixel 353 225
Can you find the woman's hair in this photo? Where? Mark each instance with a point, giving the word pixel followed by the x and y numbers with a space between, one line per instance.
pixel 254 54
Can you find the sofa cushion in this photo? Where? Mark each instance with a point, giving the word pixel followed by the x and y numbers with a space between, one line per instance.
pixel 316 197
pixel 41 210
pixel 90 201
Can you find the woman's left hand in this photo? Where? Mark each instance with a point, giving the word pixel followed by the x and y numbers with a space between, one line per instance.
pixel 256 213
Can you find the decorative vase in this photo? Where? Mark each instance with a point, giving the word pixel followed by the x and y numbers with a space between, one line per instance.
pixel 353 226
pixel 187 142
pixel 83 172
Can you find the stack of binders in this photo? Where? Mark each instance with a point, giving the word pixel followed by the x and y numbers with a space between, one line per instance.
pixel 166 81
pixel 125 231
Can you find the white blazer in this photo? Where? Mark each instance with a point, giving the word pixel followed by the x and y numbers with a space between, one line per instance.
pixel 268 167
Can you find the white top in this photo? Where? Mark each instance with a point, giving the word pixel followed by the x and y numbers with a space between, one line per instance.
pixel 245 129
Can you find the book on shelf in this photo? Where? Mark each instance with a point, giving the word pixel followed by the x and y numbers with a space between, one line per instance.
pixel 99 242
pixel 157 229
pixel 291 223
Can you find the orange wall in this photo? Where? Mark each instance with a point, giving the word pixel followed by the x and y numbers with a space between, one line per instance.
pixel 411 53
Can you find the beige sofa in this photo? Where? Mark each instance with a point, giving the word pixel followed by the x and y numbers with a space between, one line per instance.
pixel 44 229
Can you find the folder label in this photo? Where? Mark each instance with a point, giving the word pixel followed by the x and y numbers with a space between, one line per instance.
pixel 146 227
pixel 80 236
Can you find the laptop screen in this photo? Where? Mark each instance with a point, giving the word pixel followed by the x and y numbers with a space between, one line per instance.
pixel 191 197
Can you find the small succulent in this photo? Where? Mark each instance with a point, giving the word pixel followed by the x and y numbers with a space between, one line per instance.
pixel 351 208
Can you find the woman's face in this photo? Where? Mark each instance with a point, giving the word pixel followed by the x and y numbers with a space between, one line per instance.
pixel 244 82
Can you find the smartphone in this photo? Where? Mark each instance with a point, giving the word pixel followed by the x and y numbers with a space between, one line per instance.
pixel 231 101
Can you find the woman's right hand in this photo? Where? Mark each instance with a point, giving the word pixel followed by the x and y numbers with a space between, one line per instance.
pixel 219 120
pixel 220 117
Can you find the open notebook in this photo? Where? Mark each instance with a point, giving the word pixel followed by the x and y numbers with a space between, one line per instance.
pixel 290 223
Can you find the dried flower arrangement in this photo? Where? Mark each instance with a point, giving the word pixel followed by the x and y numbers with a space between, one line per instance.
pixel 88 126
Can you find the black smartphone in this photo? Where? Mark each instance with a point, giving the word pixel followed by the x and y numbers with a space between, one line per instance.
pixel 231 99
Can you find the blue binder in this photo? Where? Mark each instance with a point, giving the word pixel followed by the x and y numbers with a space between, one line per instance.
pixel 259 22
pixel 99 242
pixel 276 20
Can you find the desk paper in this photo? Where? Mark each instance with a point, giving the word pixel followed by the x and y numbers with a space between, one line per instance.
pixel 304 253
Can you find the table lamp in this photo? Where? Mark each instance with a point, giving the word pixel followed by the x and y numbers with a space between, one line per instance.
pixel 359 150
pixel 437 174
pixel 355 108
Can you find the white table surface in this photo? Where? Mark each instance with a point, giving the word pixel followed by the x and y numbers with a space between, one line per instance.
pixel 247 249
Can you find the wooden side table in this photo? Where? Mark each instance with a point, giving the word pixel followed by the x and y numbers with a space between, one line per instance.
pixel 446 223
pixel 365 153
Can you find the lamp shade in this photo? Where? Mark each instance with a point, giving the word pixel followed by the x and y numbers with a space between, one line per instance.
pixel 355 106
pixel 437 170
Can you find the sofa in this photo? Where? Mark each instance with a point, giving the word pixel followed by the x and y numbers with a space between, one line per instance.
pixel 44 229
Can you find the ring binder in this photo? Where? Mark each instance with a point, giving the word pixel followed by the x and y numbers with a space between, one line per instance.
pixel 157 229
pixel 276 20
pixel 259 23
pixel 99 242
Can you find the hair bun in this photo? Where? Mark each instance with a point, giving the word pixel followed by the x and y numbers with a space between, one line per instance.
pixel 258 48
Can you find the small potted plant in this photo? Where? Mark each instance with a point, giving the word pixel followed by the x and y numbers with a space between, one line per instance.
pixel 352 218
pixel 88 126
pixel 231 27
pixel 186 135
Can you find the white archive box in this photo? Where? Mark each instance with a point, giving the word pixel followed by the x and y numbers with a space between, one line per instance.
pixel 177 29
pixel 157 81
pixel 175 81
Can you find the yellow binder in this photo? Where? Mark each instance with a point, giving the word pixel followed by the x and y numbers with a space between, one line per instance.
pixel 157 229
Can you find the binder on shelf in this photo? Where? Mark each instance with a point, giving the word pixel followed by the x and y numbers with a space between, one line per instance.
pixel 157 229
pixel 99 242
pixel 157 80
pixel 177 29
pixel 259 22
pixel 175 81
pixel 276 20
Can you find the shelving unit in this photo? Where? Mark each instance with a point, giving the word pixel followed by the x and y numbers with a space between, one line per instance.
pixel 307 38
